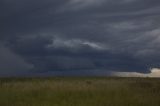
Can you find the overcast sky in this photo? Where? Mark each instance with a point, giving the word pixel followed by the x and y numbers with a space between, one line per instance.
pixel 78 37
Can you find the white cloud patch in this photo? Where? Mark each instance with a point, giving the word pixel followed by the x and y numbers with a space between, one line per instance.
pixel 154 72
pixel 76 44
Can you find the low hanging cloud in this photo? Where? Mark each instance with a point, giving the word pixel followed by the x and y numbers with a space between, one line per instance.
pixel 154 72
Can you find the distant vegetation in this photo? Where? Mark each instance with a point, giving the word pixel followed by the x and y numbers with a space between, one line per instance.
pixel 80 92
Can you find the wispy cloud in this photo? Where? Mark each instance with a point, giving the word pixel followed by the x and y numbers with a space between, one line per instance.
pixel 76 44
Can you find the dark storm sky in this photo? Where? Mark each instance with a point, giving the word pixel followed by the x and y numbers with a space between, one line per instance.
pixel 81 37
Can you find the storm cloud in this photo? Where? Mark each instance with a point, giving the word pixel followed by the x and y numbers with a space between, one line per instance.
pixel 77 36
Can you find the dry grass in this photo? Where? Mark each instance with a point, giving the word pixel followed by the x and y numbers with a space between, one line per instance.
pixel 80 92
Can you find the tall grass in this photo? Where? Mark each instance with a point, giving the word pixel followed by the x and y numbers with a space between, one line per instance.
pixel 80 92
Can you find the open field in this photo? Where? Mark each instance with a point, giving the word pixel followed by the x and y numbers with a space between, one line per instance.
pixel 79 92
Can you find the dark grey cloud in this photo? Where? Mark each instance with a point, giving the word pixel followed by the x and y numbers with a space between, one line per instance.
pixel 81 35
pixel 12 64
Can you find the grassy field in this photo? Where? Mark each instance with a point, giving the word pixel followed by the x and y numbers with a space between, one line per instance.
pixel 79 92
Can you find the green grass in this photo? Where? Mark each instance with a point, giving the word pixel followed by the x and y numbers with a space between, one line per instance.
pixel 79 92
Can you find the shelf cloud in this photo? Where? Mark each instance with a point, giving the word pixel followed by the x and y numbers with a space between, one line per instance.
pixel 65 36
